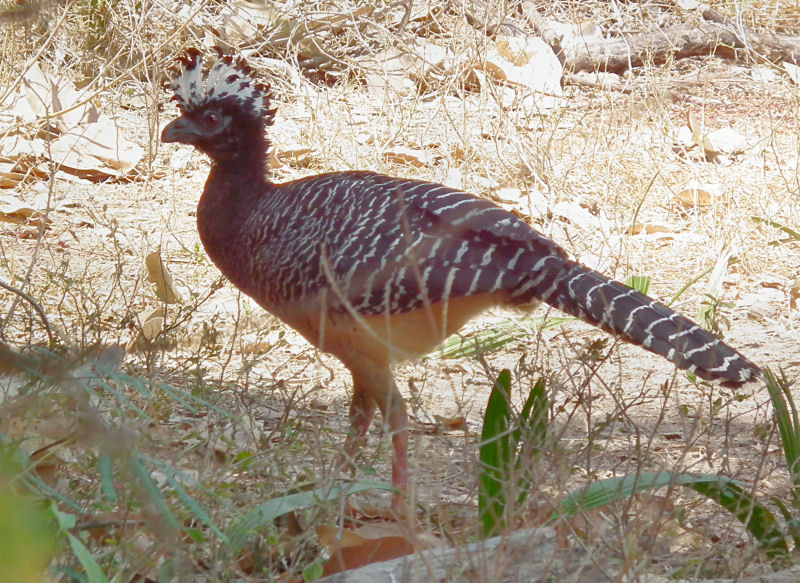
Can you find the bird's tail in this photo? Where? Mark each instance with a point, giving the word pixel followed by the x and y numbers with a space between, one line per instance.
pixel 624 312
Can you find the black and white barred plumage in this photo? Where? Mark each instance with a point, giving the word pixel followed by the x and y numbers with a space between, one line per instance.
pixel 371 245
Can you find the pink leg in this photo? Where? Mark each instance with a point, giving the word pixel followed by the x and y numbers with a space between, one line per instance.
pixel 374 385
pixel 362 410
pixel 393 407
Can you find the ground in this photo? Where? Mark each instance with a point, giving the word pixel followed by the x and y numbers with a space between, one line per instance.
pixel 236 409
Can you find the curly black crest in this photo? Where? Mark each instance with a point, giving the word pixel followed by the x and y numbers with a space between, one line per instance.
pixel 229 80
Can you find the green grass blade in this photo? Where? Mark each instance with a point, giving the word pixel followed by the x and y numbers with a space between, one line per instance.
pixel 153 492
pixel 788 427
pixel 756 518
pixel 533 419
pixel 640 283
pixel 496 454
pixel 791 520
pixel 687 285
pixel 487 340
pixel 34 484
pixel 728 493
pixel 793 235
pixel 196 509
pixel 105 467
pixel 264 514
pixel 66 522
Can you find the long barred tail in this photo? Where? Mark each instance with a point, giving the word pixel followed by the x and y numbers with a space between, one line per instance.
pixel 624 312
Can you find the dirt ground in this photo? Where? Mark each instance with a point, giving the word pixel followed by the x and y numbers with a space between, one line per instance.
pixel 602 161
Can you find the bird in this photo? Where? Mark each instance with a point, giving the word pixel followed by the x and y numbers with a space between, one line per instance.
pixel 376 270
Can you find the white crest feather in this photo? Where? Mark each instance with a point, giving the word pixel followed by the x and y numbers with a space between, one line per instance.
pixel 228 81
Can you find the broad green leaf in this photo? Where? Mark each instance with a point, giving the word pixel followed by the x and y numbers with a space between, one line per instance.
pixel 534 420
pixel 496 455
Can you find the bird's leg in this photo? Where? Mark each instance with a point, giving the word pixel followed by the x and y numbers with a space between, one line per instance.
pixel 362 410
pixel 393 407
pixel 373 385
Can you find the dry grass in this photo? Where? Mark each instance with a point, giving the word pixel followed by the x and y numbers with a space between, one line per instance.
pixel 241 425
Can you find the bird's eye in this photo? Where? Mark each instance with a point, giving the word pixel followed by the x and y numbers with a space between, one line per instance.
pixel 211 119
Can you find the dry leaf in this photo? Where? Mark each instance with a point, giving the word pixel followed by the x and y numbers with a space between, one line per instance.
pixel 528 204
pixel 408 156
pixel 246 20
pixel 694 126
pixel 350 549
pixel 534 65
pixel 151 324
pixel 50 94
pixel 793 71
pixel 8 177
pixel 295 155
pixel 158 274
pixel 647 228
pixel 445 425
pixel 389 78
pixel 725 141
pixel 13 210
pixel 794 296
pixel 692 198
pixel 96 150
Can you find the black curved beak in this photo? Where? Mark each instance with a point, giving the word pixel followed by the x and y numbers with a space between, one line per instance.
pixel 181 130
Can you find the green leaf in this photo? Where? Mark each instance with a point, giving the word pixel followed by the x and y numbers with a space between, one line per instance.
pixel 640 283
pixel 196 509
pixel 313 571
pixel 788 427
pixel 489 339
pixel 730 494
pixel 793 235
pixel 496 455
pixel 28 540
pixel 105 467
pixel 263 514
pixel 153 492
pixel 534 420
pixel 66 522
pixel 761 523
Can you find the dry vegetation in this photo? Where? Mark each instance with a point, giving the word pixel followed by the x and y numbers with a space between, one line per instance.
pixel 217 407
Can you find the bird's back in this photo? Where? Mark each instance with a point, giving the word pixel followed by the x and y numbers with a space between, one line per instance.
pixel 380 244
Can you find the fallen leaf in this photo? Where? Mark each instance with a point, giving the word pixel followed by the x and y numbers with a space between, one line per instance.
pixel 793 71
pixel 350 549
pixel 408 156
pixel 295 155
pixel 158 274
pixel 444 425
pixel 13 210
pixel 647 228
pixel 692 198
pixel 725 141
pixel 694 126
pixel 151 324
pixel 526 61
pixel 48 95
pixel 96 150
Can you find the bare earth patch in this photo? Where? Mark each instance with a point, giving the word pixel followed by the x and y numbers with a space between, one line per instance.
pixel 242 410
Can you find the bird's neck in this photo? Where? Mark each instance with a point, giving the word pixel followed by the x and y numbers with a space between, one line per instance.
pixel 231 194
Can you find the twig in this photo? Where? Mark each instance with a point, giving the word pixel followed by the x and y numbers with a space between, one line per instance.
pixel 36 307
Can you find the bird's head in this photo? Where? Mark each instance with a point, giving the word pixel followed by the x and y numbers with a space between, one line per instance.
pixel 224 110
